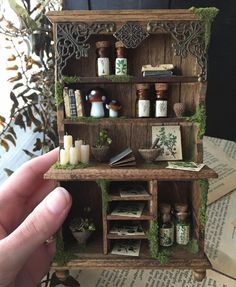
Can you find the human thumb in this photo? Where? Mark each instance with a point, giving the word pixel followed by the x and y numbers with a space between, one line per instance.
pixel 43 222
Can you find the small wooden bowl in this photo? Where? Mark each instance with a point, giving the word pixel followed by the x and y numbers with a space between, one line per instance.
pixel 150 154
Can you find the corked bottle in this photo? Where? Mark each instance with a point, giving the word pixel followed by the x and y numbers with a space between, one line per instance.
pixel 121 60
pixel 142 100
pixel 103 61
pixel 161 100
pixel 182 227
pixel 166 230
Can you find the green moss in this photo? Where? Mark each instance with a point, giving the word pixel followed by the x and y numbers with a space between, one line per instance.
pixel 68 166
pixel 153 238
pixel 59 93
pixel 62 257
pixel 104 184
pixel 115 78
pixel 199 118
pixel 204 185
pixel 207 15
pixel 70 79
pixel 164 256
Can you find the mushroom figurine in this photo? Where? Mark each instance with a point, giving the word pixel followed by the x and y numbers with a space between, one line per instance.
pixel 97 97
pixel 113 106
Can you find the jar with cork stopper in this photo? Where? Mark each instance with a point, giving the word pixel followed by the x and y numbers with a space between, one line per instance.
pixel 103 61
pixel 142 100
pixel 121 60
pixel 161 100
pixel 166 230
pixel 182 227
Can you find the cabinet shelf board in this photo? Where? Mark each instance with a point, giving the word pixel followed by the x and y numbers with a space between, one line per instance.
pixel 133 80
pixel 140 172
pixel 115 196
pixel 116 236
pixel 123 120
pixel 92 257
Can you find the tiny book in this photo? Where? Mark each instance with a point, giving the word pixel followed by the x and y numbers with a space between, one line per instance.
pixel 131 228
pixel 133 190
pixel 126 247
pixel 186 165
pixel 128 209
pixel 124 158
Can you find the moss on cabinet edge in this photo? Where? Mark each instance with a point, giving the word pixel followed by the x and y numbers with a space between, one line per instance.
pixel 68 166
pixel 62 256
pixel 104 185
pixel 207 15
pixel 200 119
pixel 59 93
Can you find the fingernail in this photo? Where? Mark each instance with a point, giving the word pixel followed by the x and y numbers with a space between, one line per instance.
pixel 58 200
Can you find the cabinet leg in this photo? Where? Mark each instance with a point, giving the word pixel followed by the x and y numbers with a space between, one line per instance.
pixel 199 274
pixel 63 277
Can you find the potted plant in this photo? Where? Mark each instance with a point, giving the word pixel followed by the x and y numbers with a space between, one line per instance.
pixel 101 149
pixel 82 227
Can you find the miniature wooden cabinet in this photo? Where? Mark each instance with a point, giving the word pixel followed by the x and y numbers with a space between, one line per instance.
pixel 151 37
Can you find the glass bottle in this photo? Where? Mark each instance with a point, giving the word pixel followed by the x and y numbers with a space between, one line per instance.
pixel 161 100
pixel 166 230
pixel 142 100
pixel 103 62
pixel 121 60
pixel 182 228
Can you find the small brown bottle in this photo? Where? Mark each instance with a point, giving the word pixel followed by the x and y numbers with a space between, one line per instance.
pixel 121 60
pixel 103 62
pixel 142 100
pixel 161 100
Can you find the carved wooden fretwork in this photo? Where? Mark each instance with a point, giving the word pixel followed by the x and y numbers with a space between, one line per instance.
pixel 189 37
pixel 131 34
pixel 72 40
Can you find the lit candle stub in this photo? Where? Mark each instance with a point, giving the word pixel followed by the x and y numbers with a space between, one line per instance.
pixel 85 153
pixel 73 155
pixel 64 159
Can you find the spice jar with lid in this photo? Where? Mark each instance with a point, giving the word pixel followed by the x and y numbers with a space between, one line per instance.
pixel 103 62
pixel 166 230
pixel 121 60
pixel 182 227
pixel 142 100
pixel 161 100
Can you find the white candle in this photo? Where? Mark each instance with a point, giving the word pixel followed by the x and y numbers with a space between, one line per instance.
pixel 78 144
pixel 85 153
pixel 68 142
pixel 64 159
pixel 73 155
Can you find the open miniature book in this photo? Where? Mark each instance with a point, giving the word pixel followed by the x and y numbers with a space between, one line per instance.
pixel 134 190
pixel 130 209
pixel 186 165
pixel 126 247
pixel 124 158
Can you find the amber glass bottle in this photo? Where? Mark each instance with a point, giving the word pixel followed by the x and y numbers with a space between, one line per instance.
pixel 142 100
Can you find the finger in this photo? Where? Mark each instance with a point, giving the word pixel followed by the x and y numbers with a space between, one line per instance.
pixel 24 181
pixel 44 221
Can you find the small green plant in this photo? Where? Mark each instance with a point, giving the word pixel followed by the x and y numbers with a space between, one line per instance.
pixel 103 139
pixel 83 223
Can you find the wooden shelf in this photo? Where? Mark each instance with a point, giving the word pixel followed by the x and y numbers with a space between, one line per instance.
pixel 123 120
pixel 92 257
pixel 116 236
pixel 140 172
pixel 133 80
pixel 145 216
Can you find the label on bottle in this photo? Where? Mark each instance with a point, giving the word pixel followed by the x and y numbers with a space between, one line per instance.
pixel 143 108
pixel 161 108
pixel 166 236
pixel 103 66
pixel 182 234
pixel 121 66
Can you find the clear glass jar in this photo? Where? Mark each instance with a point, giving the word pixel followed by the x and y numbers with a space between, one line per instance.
pixel 142 100
pixel 182 227
pixel 103 61
pixel 121 60
pixel 161 100
pixel 166 226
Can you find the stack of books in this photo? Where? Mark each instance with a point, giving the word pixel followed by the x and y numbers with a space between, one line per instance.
pixel 163 70
pixel 73 103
